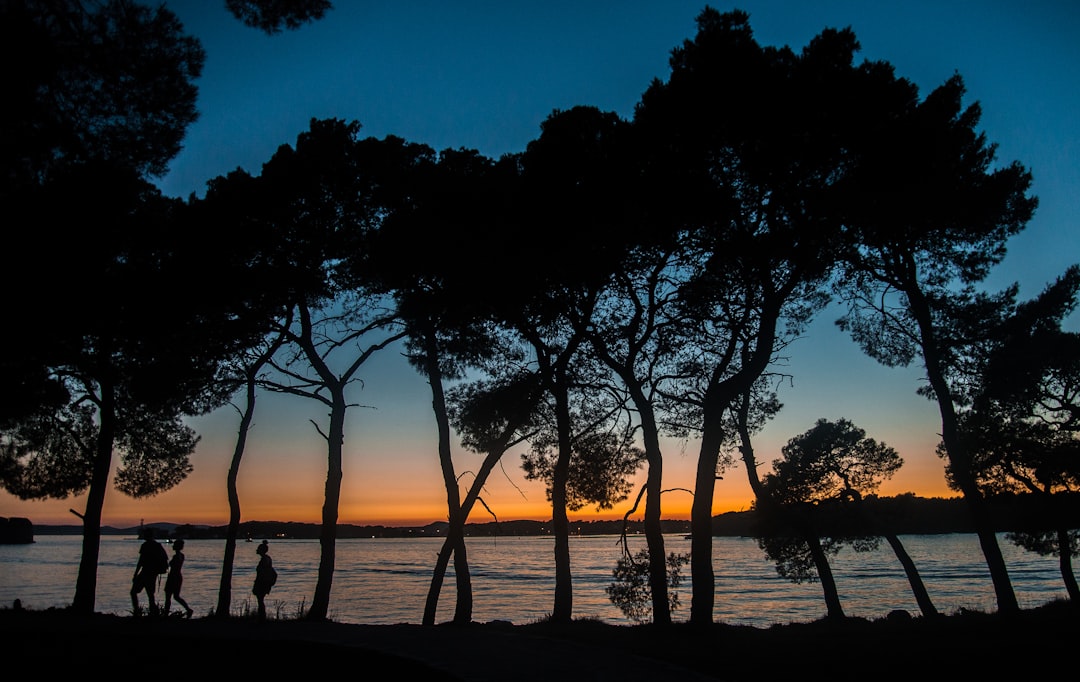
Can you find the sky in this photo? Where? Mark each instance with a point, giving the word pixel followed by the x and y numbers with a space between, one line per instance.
pixel 484 75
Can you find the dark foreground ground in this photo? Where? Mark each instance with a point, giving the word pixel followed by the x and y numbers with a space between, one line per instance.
pixel 960 646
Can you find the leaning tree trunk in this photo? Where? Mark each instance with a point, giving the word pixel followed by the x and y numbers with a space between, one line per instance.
pixel 251 375
pixel 224 603
pixel 86 581
pixel 453 546
pixel 828 583
pixel 465 601
pixel 918 589
pixel 1065 563
pixel 959 459
pixel 455 539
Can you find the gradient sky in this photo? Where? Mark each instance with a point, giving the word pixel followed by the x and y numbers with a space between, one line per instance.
pixel 484 75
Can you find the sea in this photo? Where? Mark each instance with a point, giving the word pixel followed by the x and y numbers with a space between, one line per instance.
pixel 385 581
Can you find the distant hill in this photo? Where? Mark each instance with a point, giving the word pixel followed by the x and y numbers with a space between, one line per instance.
pixel 905 514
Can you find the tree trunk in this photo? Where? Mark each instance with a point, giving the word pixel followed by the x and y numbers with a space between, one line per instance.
pixel 828 583
pixel 918 589
pixel 442 560
pixel 1065 562
pixel 718 397
pixel 746 446
pixel 562 611
pixel 701 530
pixel 654 535
pixel 959 459
pixel 455 540
pixel 224 603
pixel 86 582
pixel 463 603
pixel 320 602
pixel 456 528
pixel 453 545
pixel 654 539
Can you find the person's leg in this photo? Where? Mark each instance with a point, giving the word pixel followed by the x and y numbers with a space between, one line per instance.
pixel 262 606
pixel 150 598
pixel 168 602
pixel 181 602
pixel 135 598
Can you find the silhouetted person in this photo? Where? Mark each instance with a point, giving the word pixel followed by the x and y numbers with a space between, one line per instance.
pixel 175 579
pixel 153 561
pixel 265 577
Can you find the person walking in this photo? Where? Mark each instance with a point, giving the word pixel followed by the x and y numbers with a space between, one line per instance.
pixel 265 577
pixel 175 579
pixel 153 561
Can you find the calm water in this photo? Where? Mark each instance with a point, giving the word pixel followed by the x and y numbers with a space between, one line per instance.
pixel 385 581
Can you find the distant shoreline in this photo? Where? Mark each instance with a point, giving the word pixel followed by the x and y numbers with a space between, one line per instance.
pixel 905 515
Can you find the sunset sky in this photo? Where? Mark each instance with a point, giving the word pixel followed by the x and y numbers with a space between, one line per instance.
pixel 484 75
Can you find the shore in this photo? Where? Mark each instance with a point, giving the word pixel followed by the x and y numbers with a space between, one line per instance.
pixel 956 646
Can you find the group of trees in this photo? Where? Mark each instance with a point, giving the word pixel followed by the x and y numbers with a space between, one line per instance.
pixel 617 282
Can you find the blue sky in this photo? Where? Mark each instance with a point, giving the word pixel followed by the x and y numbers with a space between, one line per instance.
pixel 484 75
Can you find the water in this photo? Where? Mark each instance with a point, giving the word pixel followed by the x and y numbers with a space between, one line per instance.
pixel 384 581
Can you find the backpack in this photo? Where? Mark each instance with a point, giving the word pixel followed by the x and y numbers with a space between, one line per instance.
pixel 157 561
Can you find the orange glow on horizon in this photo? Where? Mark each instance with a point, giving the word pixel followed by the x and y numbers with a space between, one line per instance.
pixel 398 483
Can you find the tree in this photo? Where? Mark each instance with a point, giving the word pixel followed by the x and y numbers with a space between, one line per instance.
pixel 632 589
pixel 322 202
pixel 601 463
pixel 104 104
pixel 929 212
pixel 136 351
pixel 637 338
pixel 747 172
pixel 491 417
pixel 1023 417
pixel 572 198
pixel 112 82
pixel 109 87
pixel 835 462
pixel 253 282
pixel 441 296
pixel 270 16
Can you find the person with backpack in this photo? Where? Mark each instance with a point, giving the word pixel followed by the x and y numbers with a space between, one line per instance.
pixel 153 561
pixel 265 577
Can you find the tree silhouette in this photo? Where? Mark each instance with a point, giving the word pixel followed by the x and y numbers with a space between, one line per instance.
pixel 830 463
pixel 446 206
pixel 320 202
pixel 571 199
pixel 636 338
pixel 252 277
pixel 117 362
pixel 270 16
pixel 930 214
pixel 491 417
pixel 1023 417
pixel 747 174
